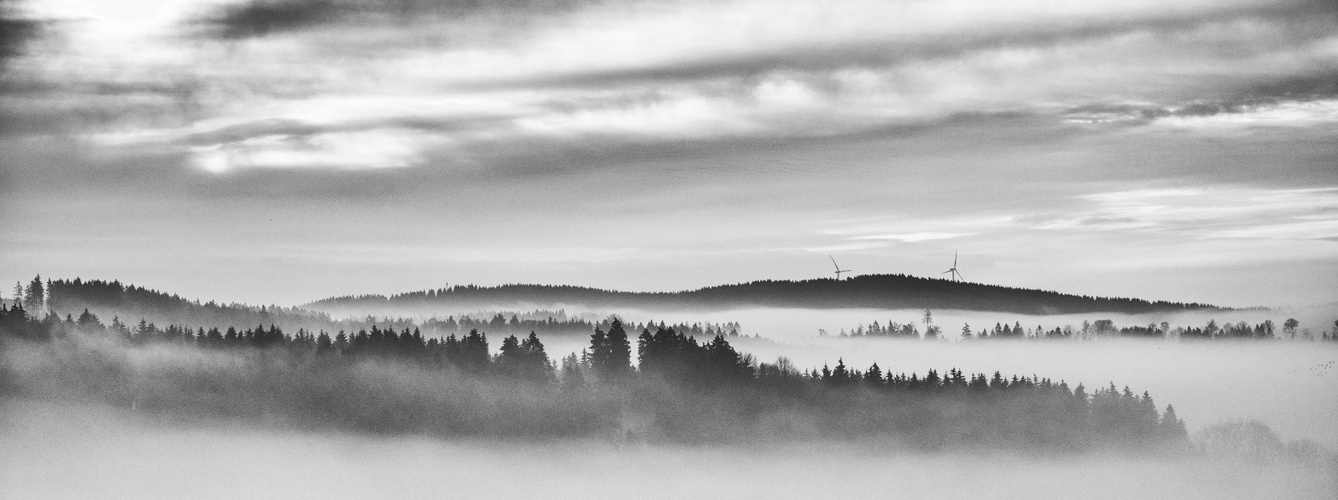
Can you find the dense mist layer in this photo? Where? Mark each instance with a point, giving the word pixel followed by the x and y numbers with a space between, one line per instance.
pixel 195 398
pixel 1288 385
pixel 680 392
pixel 120 455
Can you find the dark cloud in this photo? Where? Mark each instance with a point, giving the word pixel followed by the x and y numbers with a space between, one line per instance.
pixel 298 128
pixel 264 17
pixel 37 104
pixel 15 32
pixel 1320 83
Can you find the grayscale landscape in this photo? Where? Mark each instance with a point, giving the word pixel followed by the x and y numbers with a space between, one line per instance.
pixel 272 249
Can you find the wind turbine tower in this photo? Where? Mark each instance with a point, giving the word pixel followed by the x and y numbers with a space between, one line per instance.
pixel 838 268
pixel 952 271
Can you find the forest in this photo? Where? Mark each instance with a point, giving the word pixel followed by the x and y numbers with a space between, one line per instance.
pixel 673 388
pixel 881 291
pixel 112 299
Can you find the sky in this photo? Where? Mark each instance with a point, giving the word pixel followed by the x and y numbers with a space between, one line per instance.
pixel 281 151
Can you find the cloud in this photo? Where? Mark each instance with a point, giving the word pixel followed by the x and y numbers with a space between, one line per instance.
pixel 1294 100
pixel 15 32
pixel 1199 214
pixel 1322 229
pixel 1285 114
pixel 259 18
pixel 912 237
pixel 595 79
pixel 897 35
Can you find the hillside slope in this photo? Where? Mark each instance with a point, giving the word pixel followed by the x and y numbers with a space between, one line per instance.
pixel 870 291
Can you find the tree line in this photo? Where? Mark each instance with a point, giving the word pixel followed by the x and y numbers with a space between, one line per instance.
pixel 671 387
pixel 1103 328
pixel 867 291
pixel 114 299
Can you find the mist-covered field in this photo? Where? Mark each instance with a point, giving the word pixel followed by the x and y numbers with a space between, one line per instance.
pixel 74 451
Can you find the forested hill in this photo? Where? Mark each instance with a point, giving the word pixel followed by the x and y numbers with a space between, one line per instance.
pixel 883 291
pixel 130 303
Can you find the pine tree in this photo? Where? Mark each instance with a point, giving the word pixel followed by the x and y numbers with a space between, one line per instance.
pixel 89 321
pixel 874 376
pixel 537 366
pixel 620 350
pixel 572 379
pixel 509 360
pixel 1171 427
pixel 611 353
pixel 323 343
pixel 34 298
pixel 839 375
pixel 474 354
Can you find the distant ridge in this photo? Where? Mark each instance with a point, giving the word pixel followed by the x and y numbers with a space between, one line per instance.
pixel 127 302
pixel 877 291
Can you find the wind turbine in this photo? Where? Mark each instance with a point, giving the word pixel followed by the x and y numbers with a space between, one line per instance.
pixel 952 271
pixel 838 268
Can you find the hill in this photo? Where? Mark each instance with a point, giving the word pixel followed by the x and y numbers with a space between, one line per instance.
pixel 130 303
pixel 887 291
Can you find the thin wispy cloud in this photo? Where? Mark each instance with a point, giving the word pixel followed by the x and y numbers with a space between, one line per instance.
pixel 912 237
pixel 642 74
pixel 1206 212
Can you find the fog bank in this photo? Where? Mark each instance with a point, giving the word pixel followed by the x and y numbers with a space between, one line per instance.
pixel 58 451
pixel 1288 385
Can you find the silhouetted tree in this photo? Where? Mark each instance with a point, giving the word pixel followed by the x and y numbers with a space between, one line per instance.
pixel 34 297
pixel 572 379
pixel 89 321
pixel 611 353
pixel 873 376
pixel 1171 428
pixel 1289 327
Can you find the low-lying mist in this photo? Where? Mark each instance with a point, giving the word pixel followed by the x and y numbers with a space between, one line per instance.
pixel 59 450
pixel 147 415
pixel 1287 384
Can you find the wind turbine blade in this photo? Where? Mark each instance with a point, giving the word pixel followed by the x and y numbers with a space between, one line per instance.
pixel 829 256
pixel 946 272
pixel 959 276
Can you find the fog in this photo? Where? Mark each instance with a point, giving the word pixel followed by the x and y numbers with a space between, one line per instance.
pixel 784 324
pixel 186 438
pixel 1286 384
pixel 66 451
